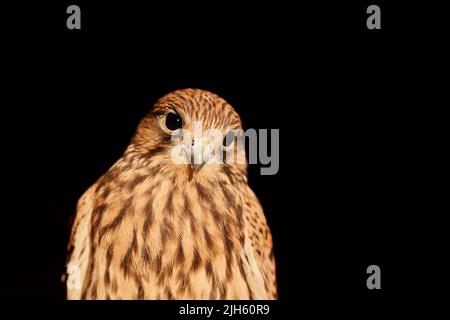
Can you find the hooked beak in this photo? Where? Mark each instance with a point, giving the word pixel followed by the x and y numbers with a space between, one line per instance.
pixel 200 153
pixel 196 166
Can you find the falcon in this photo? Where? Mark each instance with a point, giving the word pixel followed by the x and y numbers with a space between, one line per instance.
pixel 155 228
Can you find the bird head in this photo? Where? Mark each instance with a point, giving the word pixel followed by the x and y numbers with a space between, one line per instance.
pixel 191 132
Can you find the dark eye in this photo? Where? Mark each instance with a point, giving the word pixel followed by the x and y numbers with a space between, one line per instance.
pixel 173 121
pixel 229 138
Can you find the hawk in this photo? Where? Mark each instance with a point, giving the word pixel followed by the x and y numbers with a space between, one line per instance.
pixel 152 228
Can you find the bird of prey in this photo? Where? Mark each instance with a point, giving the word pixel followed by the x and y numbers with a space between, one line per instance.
pixel 151 228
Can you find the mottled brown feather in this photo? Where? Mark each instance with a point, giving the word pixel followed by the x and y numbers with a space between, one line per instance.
pixel 151 229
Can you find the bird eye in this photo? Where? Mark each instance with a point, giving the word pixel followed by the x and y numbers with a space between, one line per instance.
pixel 173 121
pixel 229 138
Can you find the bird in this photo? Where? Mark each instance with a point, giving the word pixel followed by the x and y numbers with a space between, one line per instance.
pixel 152 228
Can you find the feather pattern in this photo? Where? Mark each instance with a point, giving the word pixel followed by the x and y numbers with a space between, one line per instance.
pixel 152 229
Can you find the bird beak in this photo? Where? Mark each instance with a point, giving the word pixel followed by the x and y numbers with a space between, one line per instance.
pixel 200 153
pixel 197 167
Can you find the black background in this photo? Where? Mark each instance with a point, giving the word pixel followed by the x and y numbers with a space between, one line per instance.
pixel 339 93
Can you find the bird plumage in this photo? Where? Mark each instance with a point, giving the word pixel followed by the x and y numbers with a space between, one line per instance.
pixel 152 229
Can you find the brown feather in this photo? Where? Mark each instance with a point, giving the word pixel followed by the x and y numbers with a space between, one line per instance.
pixel 150 229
